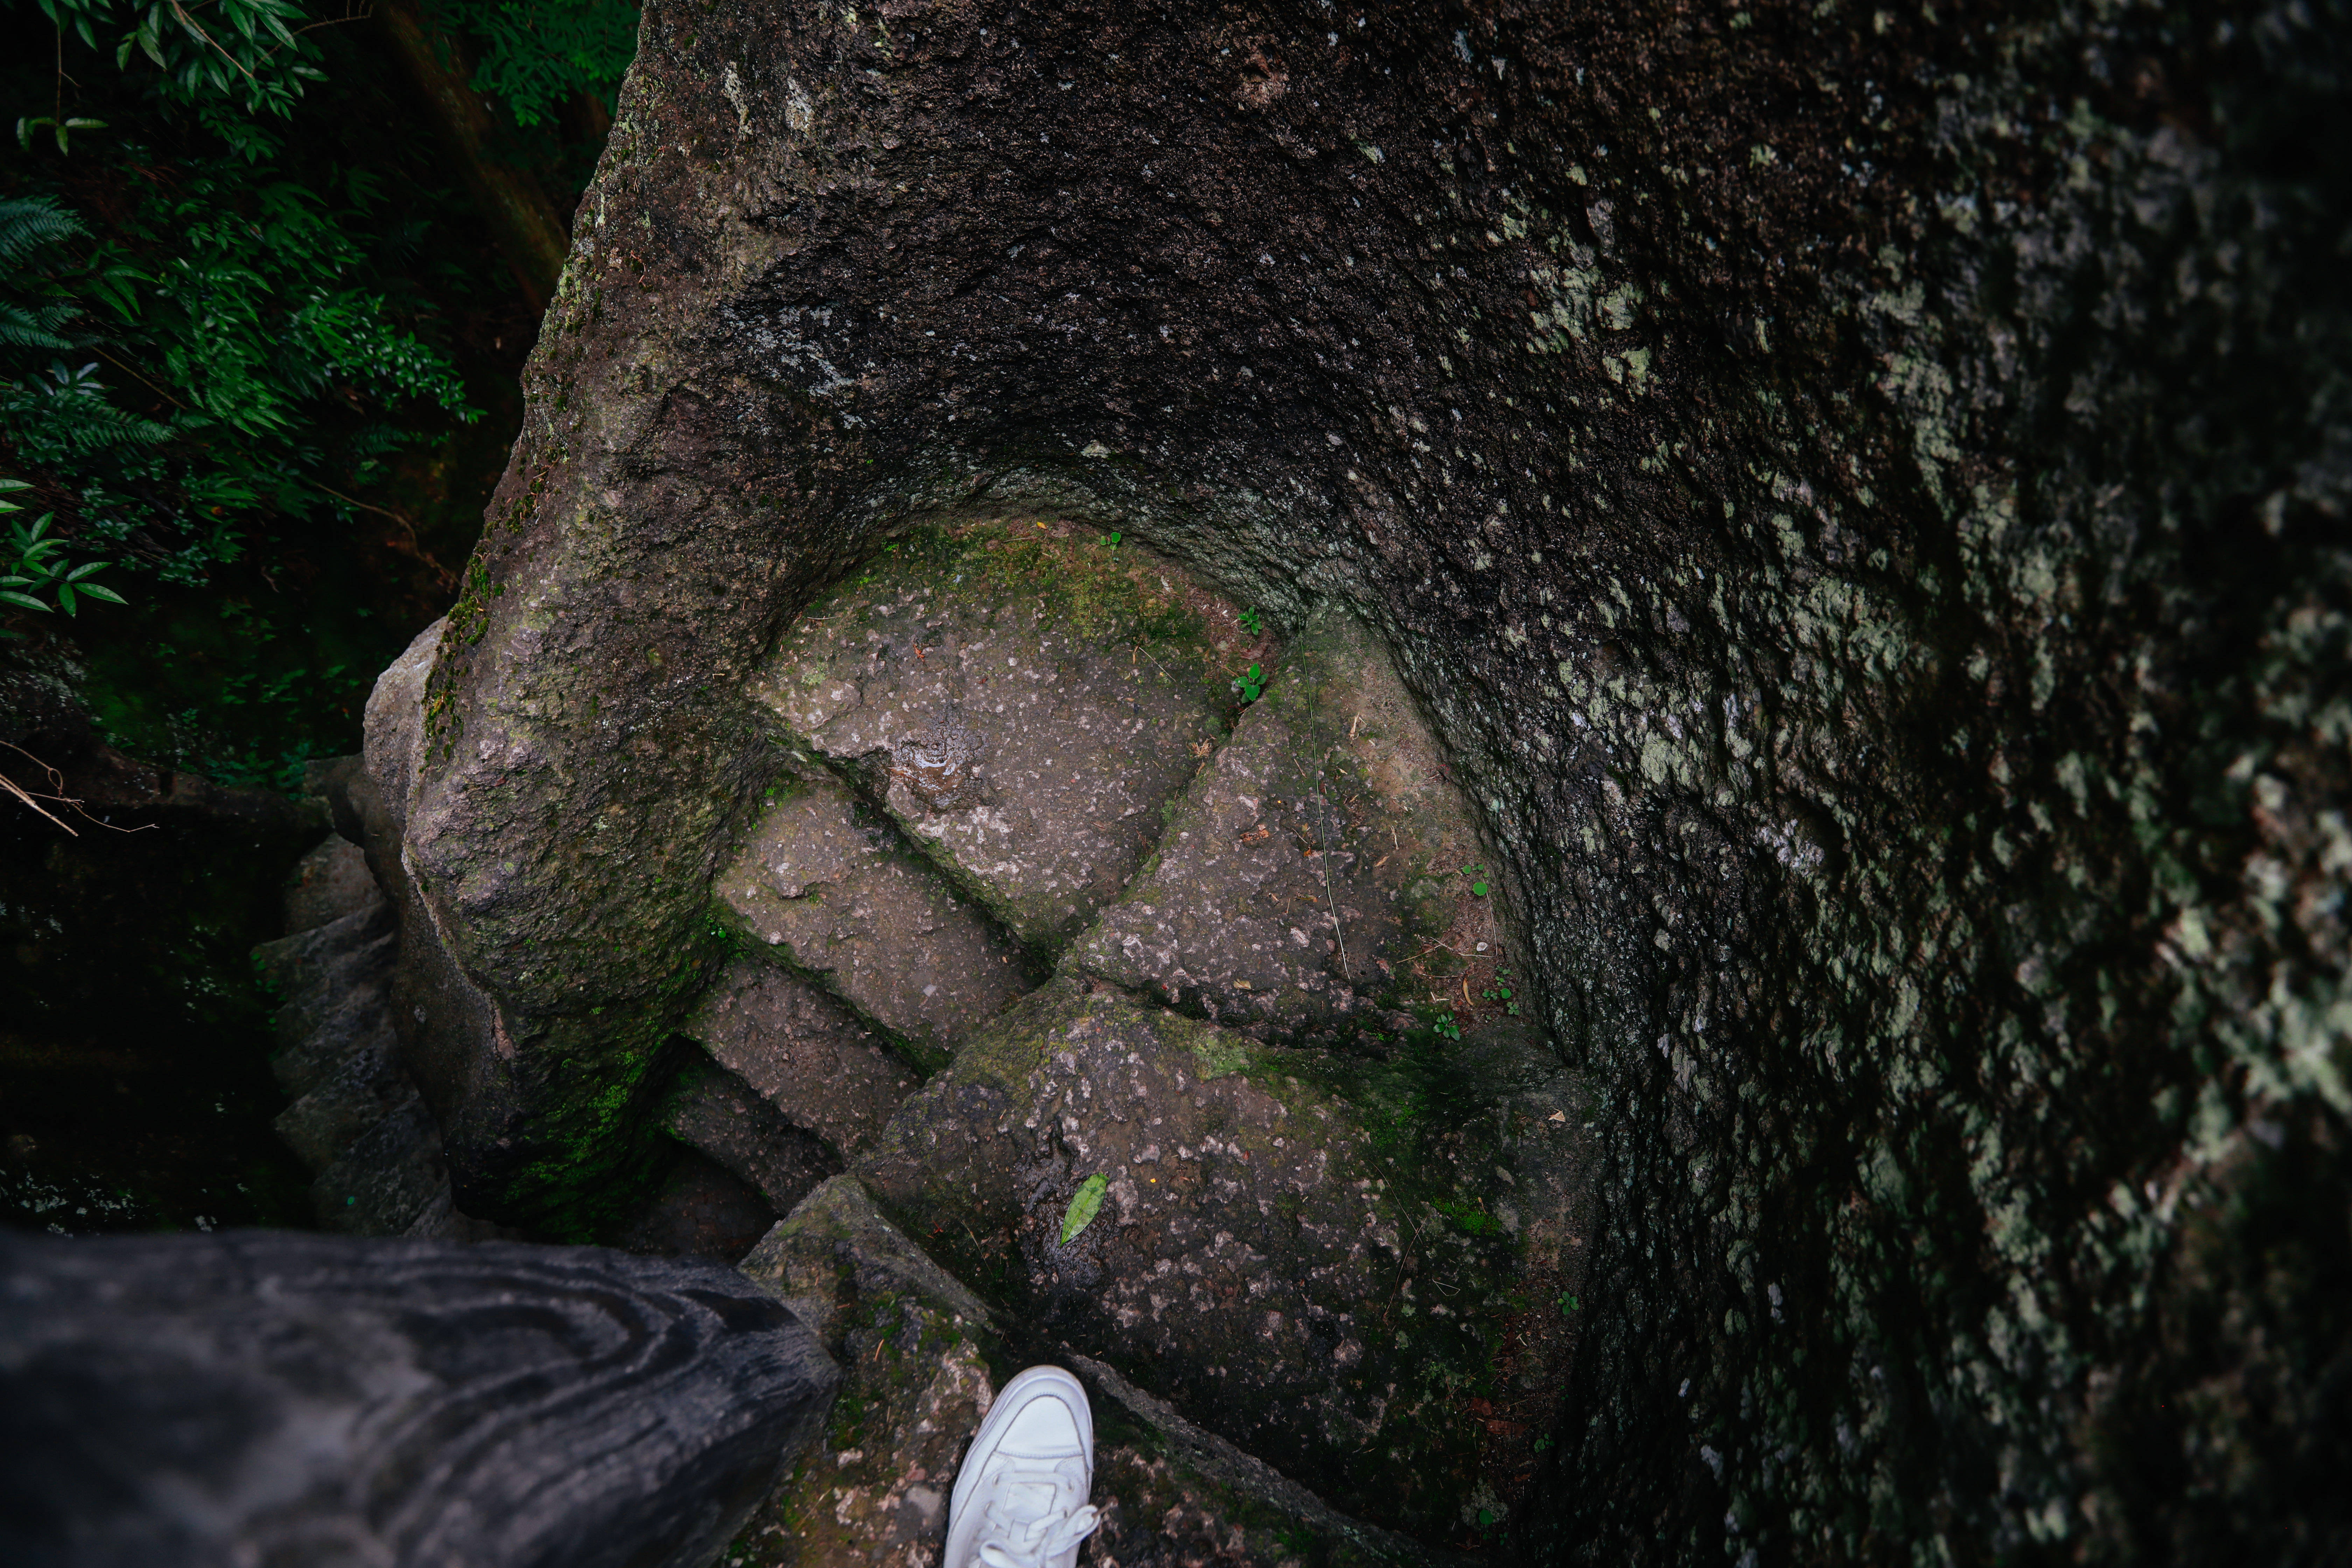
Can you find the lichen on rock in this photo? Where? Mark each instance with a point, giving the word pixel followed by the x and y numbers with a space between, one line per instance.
pixel 830 889
pixel 1021 698
pixel 1323 874
pixel 1350 1267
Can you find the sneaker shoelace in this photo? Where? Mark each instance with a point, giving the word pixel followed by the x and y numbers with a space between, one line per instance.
pixel 1034 1540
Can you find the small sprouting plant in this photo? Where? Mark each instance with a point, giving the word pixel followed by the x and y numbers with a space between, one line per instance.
pixel 63 128
pixel 30 565
pixel 1447 1026
pixel 1113 537
pixel 1251 622
pixel 1543 1445
pixel 1251 684
pixel 1569 1303
pixel 1478 874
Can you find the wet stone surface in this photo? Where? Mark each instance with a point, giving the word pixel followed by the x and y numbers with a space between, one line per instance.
pixel 922 1355
pixel 831 889
pixel 806 1054
pixel 1323 874
pixel 714 1111
pixel 1024 700
pixel 915 1348
pixel 1334 1262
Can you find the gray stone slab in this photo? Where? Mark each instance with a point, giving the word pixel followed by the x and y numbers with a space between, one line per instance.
pixel 366 1086
pixel 330 882
pixel 314 973
pixel 1024 700
pixel 1353 1269
pixel 805 1053
pixel 715 1112
pixel 388 1178
pixel 1322 874
pixel 835 893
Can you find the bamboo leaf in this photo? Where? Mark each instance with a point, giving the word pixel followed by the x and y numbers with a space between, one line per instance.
pixel 1085 1204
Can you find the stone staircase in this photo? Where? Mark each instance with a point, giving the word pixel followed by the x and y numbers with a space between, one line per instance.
pixel 356 1120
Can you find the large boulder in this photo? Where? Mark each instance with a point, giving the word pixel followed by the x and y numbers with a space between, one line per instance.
pixel 1859 493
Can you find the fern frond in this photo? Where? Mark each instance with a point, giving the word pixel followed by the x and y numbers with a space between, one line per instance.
pixel 34 326
pixel 31 223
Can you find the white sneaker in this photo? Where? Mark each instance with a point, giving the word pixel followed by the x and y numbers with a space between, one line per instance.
pixel 1020 1497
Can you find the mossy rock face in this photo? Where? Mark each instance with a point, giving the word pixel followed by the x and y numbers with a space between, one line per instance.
pixel 914 1347
pixel 1021 698
pixel 1324 875
pixel 921 1357
pixel 1860 495
pixel 1308 1256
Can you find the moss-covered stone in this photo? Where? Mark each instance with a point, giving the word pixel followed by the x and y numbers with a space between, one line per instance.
pixel 1022 698
pixel 1317 1259
pixel 922 1356
pixel 1323 874
pixel 1859 492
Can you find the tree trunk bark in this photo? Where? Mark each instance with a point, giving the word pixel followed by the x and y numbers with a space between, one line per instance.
pixel 527 227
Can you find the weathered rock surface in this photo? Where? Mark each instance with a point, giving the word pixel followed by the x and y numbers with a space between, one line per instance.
pixel 831 888
pixel 357 1119
pixel 916 1346
pixel 1022 698
pixel 1861 493
pixel 1325 1260
pixel 806 1054
pixel 1323 873
pixel 261 1397
pixel 922 1355
pixel 328 983
pixel 695 1207
pixel 715 1112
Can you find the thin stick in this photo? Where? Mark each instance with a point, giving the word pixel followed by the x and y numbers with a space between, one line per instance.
pixel 14 788
pixel 57 781
pixel 414 549
pixel 139 378
pixel 190 22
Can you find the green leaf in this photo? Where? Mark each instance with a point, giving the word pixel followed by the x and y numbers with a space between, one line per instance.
pixel 1477 890
pixel 1085 1204
pixel 100 590
pixel 26 600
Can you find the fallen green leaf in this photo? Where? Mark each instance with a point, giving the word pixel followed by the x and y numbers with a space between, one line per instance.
pixel 1085 1204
